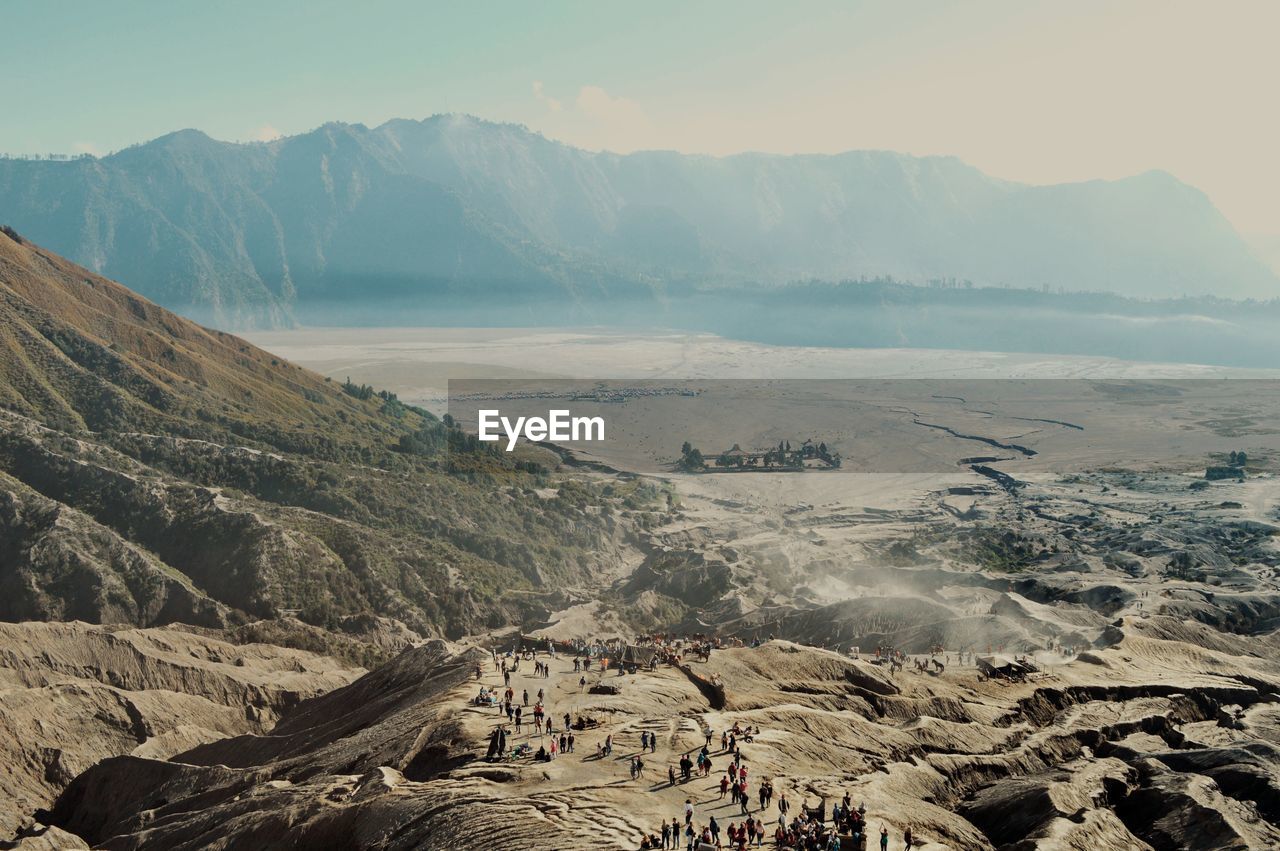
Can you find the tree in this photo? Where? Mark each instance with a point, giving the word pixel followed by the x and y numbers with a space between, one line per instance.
pixel 691 458
pixel 1181 563
pixel 359 391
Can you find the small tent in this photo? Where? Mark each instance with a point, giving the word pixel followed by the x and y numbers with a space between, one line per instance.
pixel 1000 665
pixel 641 657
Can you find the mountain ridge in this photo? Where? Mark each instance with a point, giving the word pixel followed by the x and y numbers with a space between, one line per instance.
pixel 454 210
pixel 153 471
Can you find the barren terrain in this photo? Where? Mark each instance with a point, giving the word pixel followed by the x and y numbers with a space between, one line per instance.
pixel 1085 619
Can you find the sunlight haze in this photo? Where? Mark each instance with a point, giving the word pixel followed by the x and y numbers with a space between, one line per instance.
pixel 1040 93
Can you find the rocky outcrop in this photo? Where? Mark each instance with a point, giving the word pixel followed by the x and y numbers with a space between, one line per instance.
pixel 153 471
pixel 61 564
pixel 352 744
pixel 1105 756
pixel 72 694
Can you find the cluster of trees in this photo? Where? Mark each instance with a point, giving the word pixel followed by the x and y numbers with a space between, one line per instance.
pixel 52 157
pixel 1183 565
pixel 811 451
pixel 437 436
pixel 781 456
pixel 364 392
pixel 690 458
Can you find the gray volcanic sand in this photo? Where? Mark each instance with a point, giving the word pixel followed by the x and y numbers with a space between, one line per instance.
pixel 416 363
pixel 1069 761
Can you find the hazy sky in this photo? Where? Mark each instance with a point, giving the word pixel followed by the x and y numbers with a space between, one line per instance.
pixel 1028 91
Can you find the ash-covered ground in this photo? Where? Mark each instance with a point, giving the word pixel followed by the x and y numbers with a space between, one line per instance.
pixel 1084 633
pixel 1127 553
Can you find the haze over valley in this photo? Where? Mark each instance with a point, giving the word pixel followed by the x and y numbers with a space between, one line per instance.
pixel 465 220
pixel 209 516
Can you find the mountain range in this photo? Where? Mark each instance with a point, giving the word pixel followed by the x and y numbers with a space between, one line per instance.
pixel 354 224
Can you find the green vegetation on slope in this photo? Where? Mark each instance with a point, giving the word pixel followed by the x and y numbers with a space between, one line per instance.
pixel 268 489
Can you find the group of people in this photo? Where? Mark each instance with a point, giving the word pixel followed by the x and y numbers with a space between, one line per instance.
pixel 515 712
pixel 751 832
pixel 733 783
pixel 504 701
pixel 847 831
pixel 806 830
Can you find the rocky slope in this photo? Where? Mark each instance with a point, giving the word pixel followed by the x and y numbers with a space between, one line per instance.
pixel 1112 751
pixel 453 211
pixel 152 471
pixel 220 506
pixel 72 694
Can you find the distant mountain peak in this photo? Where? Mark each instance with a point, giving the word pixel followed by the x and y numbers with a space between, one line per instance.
pixel 188 137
